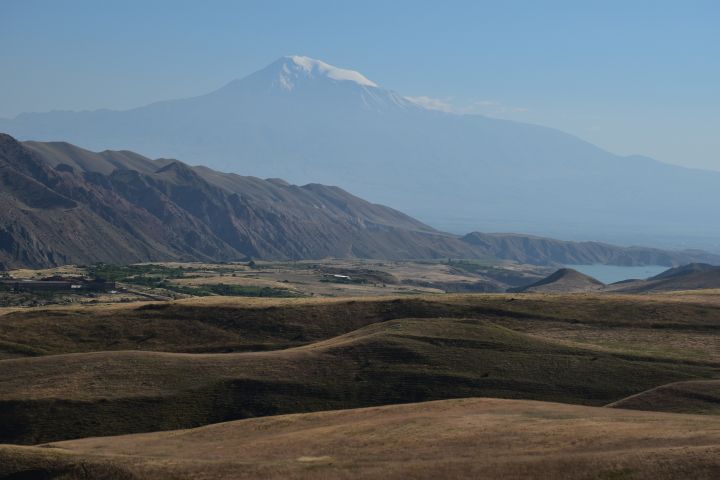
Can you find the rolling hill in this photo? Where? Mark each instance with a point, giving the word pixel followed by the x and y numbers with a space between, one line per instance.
pixel 565 280
pixel 315 355
pixel 463 439
pixel 306 121
pixel 694 276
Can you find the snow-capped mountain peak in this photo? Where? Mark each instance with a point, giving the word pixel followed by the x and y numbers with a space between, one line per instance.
pixel 299 78
pixel 299 65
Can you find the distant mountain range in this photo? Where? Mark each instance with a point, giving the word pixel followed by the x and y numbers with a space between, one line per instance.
pixel 548 251
pixel 307 121
pixel 62 204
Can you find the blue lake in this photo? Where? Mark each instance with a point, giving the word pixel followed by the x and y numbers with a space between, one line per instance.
pixel 614 273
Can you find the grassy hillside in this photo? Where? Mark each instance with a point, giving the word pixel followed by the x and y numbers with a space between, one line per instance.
pixel 688 277
pixel 98 370
pixel 397 361
pixel 565 280
pixel 680 326
pixel 464 439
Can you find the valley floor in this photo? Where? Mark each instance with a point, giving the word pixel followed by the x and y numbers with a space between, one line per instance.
pixel 318 278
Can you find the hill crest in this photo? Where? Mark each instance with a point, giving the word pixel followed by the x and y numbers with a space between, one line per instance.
pixel 564 280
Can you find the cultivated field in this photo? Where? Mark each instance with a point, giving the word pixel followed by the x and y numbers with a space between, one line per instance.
pixel 322 278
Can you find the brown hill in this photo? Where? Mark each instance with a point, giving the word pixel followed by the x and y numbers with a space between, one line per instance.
pixel 684 270
pixel 565 280
pixel 688 323
pixel 695 276
pixel 459 439
pixel 519 348
pixel 67 205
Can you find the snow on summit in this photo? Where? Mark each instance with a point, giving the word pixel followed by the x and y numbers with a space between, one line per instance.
pixel 296 66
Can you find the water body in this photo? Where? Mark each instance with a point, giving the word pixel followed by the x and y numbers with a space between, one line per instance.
pixel 615 273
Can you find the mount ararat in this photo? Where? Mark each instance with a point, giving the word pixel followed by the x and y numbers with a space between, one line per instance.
pixel 303 120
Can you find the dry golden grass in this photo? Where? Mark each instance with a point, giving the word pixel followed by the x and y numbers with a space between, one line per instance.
pixel 682 327
pixel 101 368
pixel 394 361
pixel 26 273
pixel 313 354
pixel 460 439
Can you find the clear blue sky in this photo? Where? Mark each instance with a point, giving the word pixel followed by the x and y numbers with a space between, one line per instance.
pixel 631 76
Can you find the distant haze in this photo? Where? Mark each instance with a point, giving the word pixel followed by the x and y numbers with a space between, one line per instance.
pixel 306 121
pixel 632 77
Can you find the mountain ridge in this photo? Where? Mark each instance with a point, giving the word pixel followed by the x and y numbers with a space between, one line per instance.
pixel 536 250
pixel 166 210
pixel 69 205
pixel 455 172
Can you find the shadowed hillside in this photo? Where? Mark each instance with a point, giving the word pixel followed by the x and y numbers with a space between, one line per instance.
pixel 682 397
pixel 217 324
pixel 534 348
pixel 470 438
pixel 67 205
pixel 695 276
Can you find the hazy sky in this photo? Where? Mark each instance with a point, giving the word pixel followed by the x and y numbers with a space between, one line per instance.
pixel 630 76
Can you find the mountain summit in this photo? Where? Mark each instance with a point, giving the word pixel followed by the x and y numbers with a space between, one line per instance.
pixel 290 70
pixel 306 121
pixel 312 85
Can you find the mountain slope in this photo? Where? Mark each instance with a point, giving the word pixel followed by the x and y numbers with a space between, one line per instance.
pixel 398 361
pixel 67 205
pixel 306 121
